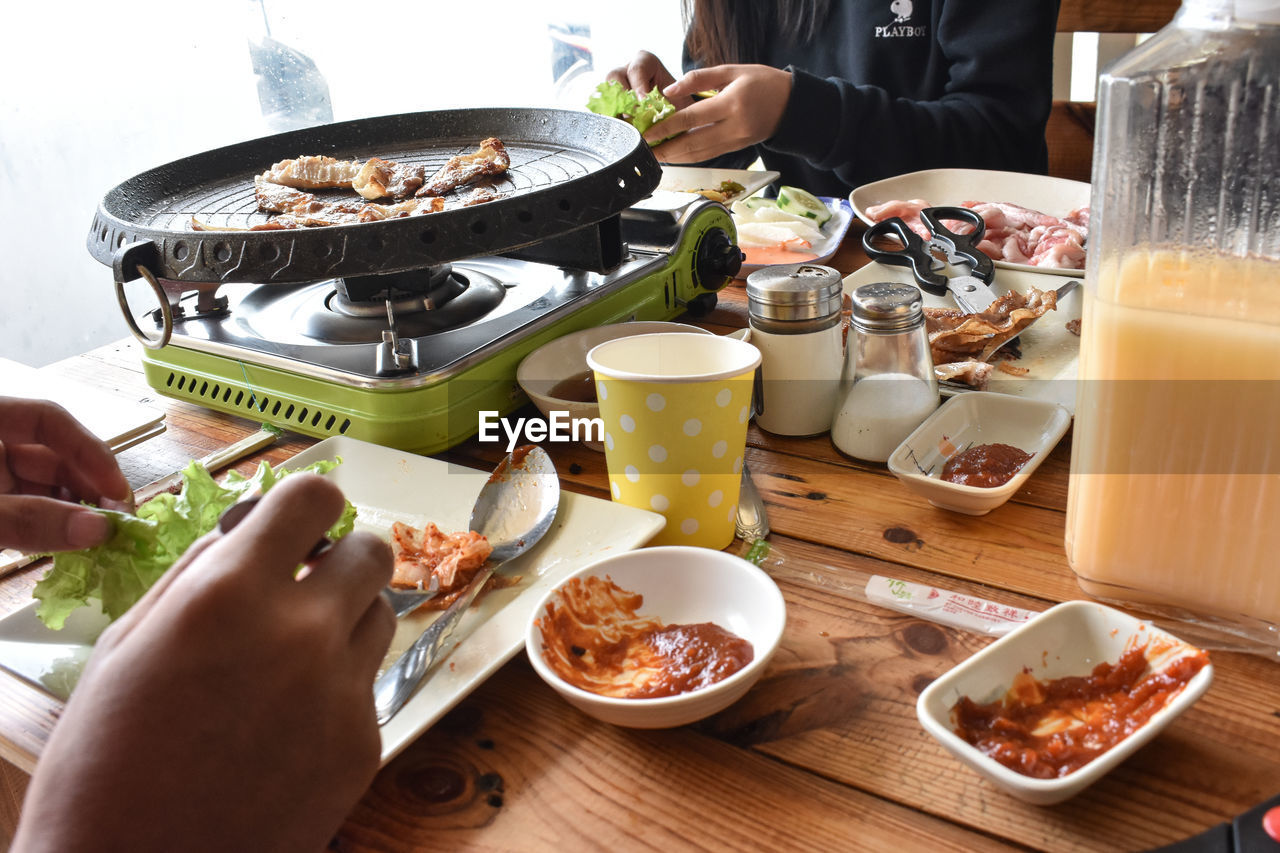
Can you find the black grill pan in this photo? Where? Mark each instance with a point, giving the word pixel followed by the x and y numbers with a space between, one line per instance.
pixel 568 170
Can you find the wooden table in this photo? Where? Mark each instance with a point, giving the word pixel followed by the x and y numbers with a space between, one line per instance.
pixel 825 753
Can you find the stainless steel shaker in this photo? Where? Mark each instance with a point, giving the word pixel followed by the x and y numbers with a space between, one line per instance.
pixel 795 313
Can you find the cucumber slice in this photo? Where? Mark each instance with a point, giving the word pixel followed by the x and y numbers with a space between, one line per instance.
pixel 750 208
pixel 756 202
pixel 796 200
pixel 769 213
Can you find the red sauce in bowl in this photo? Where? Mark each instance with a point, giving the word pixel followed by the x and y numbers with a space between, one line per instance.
pixel 985 465
pixel 1048 729
pixel 593 639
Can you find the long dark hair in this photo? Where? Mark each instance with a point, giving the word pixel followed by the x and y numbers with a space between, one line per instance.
pixel 735 31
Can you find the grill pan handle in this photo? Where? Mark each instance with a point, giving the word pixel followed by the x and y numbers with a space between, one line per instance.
pixel 132 261
pixel 128 261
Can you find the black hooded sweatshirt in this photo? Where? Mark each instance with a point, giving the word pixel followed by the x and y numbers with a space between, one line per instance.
pixel 895 86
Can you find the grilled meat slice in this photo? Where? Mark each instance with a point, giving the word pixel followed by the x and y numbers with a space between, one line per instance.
pixel 277 198
pixel 314 172
pixel 380 178
pixel 306 210
pixel 491 158
pixel 346 211
pixel 480 195
pixel 410 207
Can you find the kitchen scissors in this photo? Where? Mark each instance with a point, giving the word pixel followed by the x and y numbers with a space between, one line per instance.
pixel 972 292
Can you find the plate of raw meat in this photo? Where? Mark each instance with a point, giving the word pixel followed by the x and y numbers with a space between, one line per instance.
pixel 1035 223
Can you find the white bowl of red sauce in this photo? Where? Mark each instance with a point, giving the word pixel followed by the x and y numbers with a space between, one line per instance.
pixel 556 376
pixel 977 449
pixel 658 637
pixel 1056 704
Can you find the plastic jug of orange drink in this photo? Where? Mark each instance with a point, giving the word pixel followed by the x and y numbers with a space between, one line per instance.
pixel 1174 497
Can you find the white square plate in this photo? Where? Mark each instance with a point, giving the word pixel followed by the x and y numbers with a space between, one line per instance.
pixel 691 179
pixel 1069 639
pixel 386 486
pixel 1050 351
pixel 1054 196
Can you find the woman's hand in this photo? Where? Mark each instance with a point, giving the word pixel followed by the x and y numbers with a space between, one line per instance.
pixel 232 707
pixel 49 463
pixel 644 74
pixel 745 110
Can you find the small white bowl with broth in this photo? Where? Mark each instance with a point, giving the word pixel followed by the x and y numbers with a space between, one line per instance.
pixel 556 376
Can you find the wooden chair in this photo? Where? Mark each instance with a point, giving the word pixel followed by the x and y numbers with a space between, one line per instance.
pixel 1069 133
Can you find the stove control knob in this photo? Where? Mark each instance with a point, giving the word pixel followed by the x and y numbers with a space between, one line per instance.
pixel 717 260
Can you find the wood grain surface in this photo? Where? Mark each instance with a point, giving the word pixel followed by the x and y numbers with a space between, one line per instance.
pixel 1115 16
pixel 825 752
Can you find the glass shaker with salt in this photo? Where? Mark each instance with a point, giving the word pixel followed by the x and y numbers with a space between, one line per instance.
pixel 889 382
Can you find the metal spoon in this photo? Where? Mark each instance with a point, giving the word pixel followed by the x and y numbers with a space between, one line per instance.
pixel 405 601
pixel 752 522
pixel 514 510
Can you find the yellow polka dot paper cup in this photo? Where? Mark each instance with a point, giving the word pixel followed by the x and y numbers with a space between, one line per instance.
pixel 675 410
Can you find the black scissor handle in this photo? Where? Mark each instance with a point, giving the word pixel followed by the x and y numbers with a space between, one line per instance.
pixel 961 245
pixel 914 252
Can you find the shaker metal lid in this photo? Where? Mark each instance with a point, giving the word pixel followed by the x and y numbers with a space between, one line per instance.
pixel 794 292
pixel 887 306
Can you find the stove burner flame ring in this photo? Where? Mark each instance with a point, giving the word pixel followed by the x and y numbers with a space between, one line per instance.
pixel 309 311
pixel 166 312
pixel 409 292
pixel 400 305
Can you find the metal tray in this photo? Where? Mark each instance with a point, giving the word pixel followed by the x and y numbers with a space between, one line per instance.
pixel 568 170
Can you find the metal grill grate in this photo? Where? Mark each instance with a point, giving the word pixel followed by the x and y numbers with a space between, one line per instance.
pixel 569 170
pixel 233 204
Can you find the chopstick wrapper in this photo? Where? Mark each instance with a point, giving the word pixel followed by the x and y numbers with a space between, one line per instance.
pixel 945 607
pixel 215 461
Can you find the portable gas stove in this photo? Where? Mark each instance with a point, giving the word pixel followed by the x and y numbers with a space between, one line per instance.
pixel 420 323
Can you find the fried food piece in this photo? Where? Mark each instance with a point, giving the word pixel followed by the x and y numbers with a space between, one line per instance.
pixel 380 178
pixel 975 374
pixel 314 172
pixel 957 336
pixel 491 158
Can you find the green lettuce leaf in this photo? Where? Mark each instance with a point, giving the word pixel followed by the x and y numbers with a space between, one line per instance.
pixel 610 99
pixel 142 547
pixel 650 110
pixel 643 112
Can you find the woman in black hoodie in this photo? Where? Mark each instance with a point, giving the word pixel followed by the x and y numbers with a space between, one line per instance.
pixel 836 93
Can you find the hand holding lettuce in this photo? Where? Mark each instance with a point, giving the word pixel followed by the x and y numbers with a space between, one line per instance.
pixel 143 546
pixel 642 111
pixel 235 705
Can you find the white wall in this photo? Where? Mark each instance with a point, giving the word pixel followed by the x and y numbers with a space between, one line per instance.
pixel 95 93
